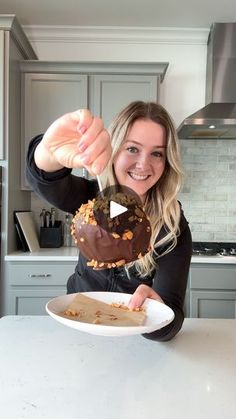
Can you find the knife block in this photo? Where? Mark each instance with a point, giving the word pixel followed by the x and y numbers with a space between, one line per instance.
pixel 51 236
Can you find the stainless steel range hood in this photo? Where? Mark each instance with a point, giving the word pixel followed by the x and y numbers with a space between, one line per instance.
pixel 218 118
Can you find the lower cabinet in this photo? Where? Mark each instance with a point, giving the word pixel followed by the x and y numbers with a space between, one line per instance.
pixel 32 301
pixel 31 285
pixel 213 304
pixel 212 291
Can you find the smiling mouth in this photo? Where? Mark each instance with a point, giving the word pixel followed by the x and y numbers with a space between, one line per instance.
pixel 136 176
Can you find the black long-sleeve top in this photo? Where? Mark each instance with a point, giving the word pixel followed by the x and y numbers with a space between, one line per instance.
pixel 67 192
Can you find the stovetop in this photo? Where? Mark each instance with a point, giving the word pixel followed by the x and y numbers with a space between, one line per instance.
pixel 214 248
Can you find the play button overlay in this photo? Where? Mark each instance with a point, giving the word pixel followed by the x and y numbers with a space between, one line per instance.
pixel 116 209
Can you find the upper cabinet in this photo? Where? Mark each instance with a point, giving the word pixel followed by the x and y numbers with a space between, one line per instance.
pixel 14 47
pixel 51 89
pixel 48 96
pixel 111 92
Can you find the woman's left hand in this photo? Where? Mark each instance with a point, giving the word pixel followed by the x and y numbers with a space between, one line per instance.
pixel 139 296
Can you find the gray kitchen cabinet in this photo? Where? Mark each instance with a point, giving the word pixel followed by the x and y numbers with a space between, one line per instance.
pixel 14 47
pixel 51 89
pixel 31 301
pixel 30 285
pixel 112 92
pixel 213 304
pixel 212 291
pixel 45 98
pixel 1 92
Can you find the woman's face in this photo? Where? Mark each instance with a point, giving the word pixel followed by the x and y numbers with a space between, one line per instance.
pixel 141 159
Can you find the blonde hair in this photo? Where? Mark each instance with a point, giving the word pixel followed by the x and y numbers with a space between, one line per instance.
pixel 161 205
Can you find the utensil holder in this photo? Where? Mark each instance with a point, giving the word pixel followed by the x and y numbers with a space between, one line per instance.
pixel 51 236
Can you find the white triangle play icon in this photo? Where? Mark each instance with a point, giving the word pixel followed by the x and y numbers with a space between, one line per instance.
pixel 116 209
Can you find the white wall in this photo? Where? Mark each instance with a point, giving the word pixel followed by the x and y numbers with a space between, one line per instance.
pixel 183 89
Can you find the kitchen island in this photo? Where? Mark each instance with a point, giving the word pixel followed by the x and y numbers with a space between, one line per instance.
pixel 50 371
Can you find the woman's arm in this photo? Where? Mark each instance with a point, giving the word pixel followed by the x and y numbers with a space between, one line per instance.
pixel 60 188
pixel 170 282
pixel 76 139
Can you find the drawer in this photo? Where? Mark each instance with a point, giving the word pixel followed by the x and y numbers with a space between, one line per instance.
pixel 213 277
pixel 39 274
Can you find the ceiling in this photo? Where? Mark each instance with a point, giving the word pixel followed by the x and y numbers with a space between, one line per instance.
pixel 139 13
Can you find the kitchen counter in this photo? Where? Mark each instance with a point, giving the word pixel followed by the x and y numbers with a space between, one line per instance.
pixel 71 254
pixel 59 254
pixel 214 259
pixel 51 371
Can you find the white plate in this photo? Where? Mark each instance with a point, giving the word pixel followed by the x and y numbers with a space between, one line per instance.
pixel 158 314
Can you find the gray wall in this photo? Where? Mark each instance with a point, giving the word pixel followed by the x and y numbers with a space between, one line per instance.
pixel 209 192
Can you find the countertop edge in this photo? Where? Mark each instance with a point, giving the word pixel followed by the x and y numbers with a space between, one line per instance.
pixel 62 254
pixel 71 254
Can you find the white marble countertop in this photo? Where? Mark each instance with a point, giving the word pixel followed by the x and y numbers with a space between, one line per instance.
pixel 65 254
pixel 51 371
pixel 214 259
pixel 71 254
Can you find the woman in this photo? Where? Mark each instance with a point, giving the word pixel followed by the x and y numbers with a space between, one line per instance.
pixel 143 154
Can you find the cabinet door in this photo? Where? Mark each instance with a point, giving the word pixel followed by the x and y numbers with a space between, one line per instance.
pixel 111 93
pixel 1 95
pixel 213 304
pixel 32 301
pixel 31 285
pixel 46 97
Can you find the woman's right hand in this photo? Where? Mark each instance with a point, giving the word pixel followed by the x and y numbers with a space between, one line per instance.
pixel 77 139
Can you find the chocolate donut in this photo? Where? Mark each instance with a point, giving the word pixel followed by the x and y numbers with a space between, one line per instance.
pixel 111 242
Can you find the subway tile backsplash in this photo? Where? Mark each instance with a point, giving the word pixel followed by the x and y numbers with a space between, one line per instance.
pixel 208 195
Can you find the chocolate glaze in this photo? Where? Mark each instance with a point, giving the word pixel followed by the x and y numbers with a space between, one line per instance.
pixel 99 244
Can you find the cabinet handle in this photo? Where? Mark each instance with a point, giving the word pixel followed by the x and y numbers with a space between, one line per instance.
pixel 40 275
